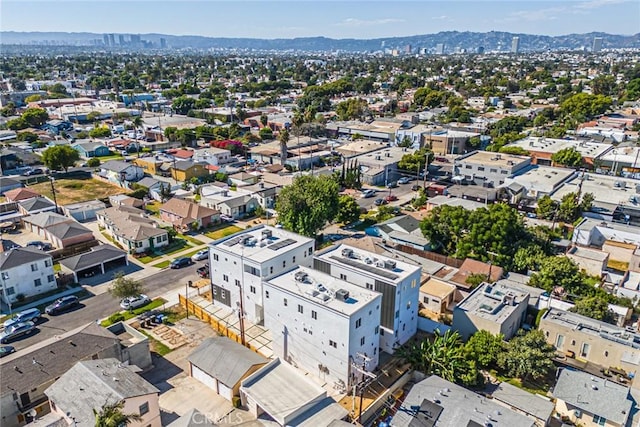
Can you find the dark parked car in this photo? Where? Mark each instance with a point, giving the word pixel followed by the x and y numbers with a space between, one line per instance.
pixel 43 246
pixel 203 271
pixel 6 350
pixel 62 304
pixel 380 202
pixel 416 187
pixel 181 262
pixel 16 330
pixel 28 315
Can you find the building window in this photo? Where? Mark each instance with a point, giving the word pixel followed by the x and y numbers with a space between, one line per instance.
pixel 468 167
pixel 294 260
pixel 376 330
pixel 215 257
pixel 266 294
pixel 343 276
pixel 310 250
pixel 597 419
pixel 314 314
pixel 159 239
pixel 300 309
pixel 559 341
pixel 480 169
pixel 358 323
pixel 237 282
pixel 144 408
pixel 584 351
pixel 34 267
pixel 504 172
pixel 271 270
pixel 369 286
pixel 333 344
pixel 493 170
pixel 284 263
pixel 37 282
pixel 397 314
pixel 47 263
pixel 414 282
pixel 362 341
pixel 51 278
pixel 5 275
pixel 225 277
pixel 381 332
pixel 252 289
pixel 425 300
pixel 286 303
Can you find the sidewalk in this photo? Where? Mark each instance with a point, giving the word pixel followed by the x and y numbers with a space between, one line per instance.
pixel 4 309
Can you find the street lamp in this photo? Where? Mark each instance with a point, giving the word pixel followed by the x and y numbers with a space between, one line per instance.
pixel 53 192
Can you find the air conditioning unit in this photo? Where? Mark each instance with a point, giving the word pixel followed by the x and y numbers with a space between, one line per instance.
pixel 348 253
pixel 266 234
pixel 389 264
pixel 301 276
pixel 380 263
pixel 342 294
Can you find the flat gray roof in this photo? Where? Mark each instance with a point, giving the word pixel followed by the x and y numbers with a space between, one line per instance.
pixel 524 401
pixel 450 405
pixel 550 145
pixel 320 288
pixel 541 178
pixel 490 301
pixel 259 249
pixel 608 190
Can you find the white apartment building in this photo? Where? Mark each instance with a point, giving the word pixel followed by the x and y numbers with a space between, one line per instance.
pixel 213 156
pixel 322 324
pixel 26 272
pixel 397 281
pixel 240 262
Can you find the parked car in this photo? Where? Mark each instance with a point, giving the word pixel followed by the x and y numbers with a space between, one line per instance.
pixel 368 193
pixel 203 271
pixel 6 350
pixel 35 171
pixel 380 202
pixel 200 255
pixel 181 262
pixel 131 303
pixel 392 184
pixel 226 218
pixel 404 180
pixel 29 315
pixel 416 187
pixel 43 246
pixel 62 304
pixel 391 198
pixel 16 330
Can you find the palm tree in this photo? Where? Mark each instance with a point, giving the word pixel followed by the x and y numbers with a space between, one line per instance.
pixel 284 139
pixel 111 415
pixel 137 124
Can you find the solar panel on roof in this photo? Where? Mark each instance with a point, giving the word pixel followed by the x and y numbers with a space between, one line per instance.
pixel 281 244
pixel 233 241
pixel 364 267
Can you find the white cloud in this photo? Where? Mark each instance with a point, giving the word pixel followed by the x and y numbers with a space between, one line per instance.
pixel 595 4
pixel 440 18
pixel 355 22
pixel 547 14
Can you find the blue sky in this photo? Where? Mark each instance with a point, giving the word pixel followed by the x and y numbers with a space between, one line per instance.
pixel 337 19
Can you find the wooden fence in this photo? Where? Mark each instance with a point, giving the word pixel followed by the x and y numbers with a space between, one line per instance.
pixel 443 259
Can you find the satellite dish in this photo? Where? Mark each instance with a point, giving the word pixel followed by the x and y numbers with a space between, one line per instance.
pixel 33 413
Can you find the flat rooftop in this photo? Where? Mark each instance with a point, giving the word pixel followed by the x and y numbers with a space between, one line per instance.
pixel 375 126
pixel 253 245
pixel 360 147
pixel 627 155
pixel 493 302
pixel 322 289
pixel 383 157
pixel 370 264
pixel 551 145
pixel 586 253
pixel 596 328
pixel 607 190
pixel 542 178
pixel 489 158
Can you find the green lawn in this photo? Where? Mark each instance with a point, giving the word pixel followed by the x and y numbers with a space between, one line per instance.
pixel 176 246
pixel 126 315
pixel 156 345
pixel 223 231
pixel 163 264
pixel 153 208
pixel 191 239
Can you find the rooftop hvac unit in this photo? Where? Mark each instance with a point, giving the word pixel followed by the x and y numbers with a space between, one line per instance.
pixel 247 240
pixel 301 276
pixel 348 253
pixel 380 263
pixel 320 287
pixel 368 261
pixel 266 234
pixel 342 294
pixel 389 264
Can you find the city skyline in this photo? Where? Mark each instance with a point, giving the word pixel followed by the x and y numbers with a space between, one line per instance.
pixel 334 19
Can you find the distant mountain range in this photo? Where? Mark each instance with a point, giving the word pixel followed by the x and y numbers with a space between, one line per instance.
pixel 452 41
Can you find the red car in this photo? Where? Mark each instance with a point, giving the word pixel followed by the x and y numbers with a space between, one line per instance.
pixel 390 198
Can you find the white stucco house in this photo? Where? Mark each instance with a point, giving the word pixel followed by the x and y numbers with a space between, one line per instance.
pixel 26 272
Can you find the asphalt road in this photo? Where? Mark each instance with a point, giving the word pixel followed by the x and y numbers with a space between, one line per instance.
pixel 381 193
pixel 103 305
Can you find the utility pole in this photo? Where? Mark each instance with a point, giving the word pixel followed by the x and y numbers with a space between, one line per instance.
pixel 53 192
pixel 241 313
pixel 367 377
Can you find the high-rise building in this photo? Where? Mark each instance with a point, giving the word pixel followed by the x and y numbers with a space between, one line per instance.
pixel 480 50
pixel 112 40
pixel 407 49
pixel 105 39
pixel 163 43
pixel 121 39
pixel 136 40
pixel 440 49
pixel 515 45
pixel 597 44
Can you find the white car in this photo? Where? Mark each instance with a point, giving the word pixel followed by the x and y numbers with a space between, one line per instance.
pixel 131 303
pixel 226 218
pixel 200 255
pixel 368 193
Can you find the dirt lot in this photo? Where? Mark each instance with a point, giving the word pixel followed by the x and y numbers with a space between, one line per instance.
pixel 77 190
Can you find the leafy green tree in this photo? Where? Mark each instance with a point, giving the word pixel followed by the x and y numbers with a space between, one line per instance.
pixel 603 84
pixel 32 98
pixel 443 356
pixel 595 307
pixel 584 106
pixel 559 271
pixel 27 137
pixel 475 279
pixel 35 117
pixel 266 133
pixel 284 140
pixel 350 109
pixel 124 287
pixel 170 132
pixel 348 210
pixel 307 204
pixel 518 151
pixel 17 124
pixel 100 132
pixel 546 208
pixel 183 104
pixel 528 257
pixel 484 348
pixel 58 88
pixel 445 226
pixel 60 157
pixel 415 161
pixel 632 91
pixel 567 157
pixel 8 110
pixel 587 202
pixel 527 355
pixel 93 162
pixel 93 116
pixel 568 209
pixel 112 415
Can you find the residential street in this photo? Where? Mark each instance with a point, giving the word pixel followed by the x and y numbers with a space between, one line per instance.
pixel 103 305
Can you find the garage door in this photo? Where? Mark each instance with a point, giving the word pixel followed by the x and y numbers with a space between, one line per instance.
pixel 224 391
pixel 204 378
